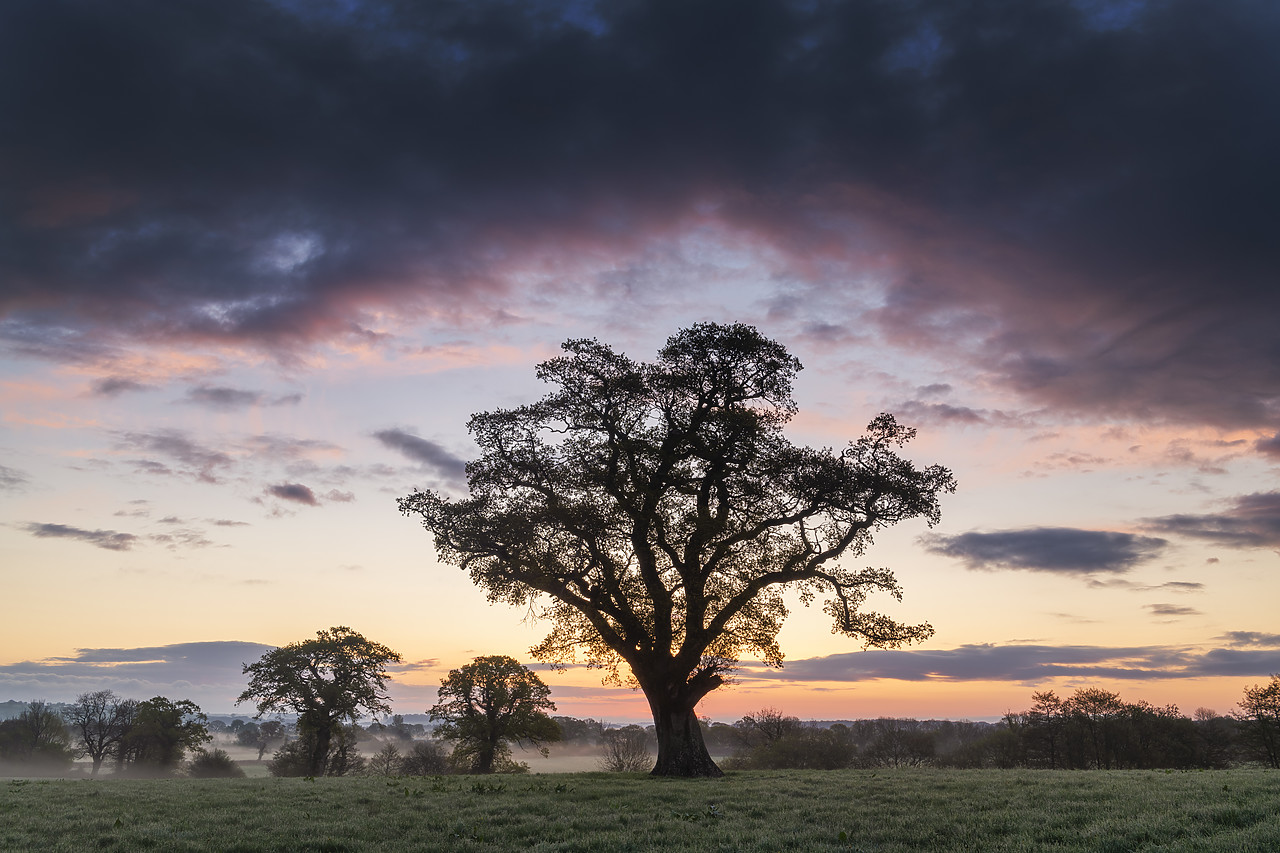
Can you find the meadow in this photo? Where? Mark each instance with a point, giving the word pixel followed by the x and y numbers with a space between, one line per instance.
pixel 855 810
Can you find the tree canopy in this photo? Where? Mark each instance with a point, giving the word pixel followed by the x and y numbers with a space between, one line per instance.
pixel 655 513
pixel 325 681
pixel 489 704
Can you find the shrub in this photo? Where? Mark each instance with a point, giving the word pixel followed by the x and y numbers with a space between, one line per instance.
pixel 214 765
pixel 626 750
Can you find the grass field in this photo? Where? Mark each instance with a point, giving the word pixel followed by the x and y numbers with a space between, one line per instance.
pixel 1230 810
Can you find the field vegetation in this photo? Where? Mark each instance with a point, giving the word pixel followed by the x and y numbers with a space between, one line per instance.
pixel 847 810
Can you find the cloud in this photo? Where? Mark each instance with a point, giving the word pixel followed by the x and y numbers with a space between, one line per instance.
pixel 109 540
pixel 1250 521
pixel 12 480
pixel 1080 212
pixel 208 673
pixel 228 399
pixel 293 492
pixel 1026 663
pixel 339 496
pixel 427 453
pixel 1269 446
pixel 1172 610
pixel 1251 638
pixel 197 461
pixel 1057 550
pixel 114 386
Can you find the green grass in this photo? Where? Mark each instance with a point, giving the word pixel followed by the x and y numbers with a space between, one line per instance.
pixel 1231 810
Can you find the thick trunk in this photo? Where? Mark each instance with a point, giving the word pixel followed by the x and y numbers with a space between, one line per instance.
pixel 320 753
pixel 681 750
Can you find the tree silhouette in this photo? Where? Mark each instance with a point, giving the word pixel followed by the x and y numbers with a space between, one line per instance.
pixel 324 681
pixel 657 513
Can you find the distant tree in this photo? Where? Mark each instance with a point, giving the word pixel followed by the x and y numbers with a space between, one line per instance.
pixel 574 730
pixel 1259 716
pixel 100 720
pixel 899 743
pixel 261 737
pixel 386 761
pixel 765 726
pixel 216 764
pixel 426 758
pixel 38 737
pixel 160 733
pixel 626 750
pixel 325 681
pixel 657 513
pixel 490 704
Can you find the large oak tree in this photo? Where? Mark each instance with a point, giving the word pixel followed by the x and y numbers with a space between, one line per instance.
pixel 655 512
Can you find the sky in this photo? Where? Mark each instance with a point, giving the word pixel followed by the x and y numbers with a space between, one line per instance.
pixel 260 260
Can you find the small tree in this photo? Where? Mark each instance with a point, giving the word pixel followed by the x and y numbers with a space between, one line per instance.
pixel 655 513
pixel 325 681
pixel 100 720
pixel 489 704
pixel 426 758
pixel 1259 715
pixel 626 750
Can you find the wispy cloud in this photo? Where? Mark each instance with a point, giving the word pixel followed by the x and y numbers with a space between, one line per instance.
pixel 1249 521
pixel 110 540
pixel 1057 550
pixel 228 399
pixel 193 458
pixel 427 453
pixel 11 479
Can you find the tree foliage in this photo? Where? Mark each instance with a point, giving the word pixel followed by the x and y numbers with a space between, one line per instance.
pixel 100 720
pixel 488 705
pixel 326 681
pixel 37 738
pixel 654 513
pixel 1259 712
pixel 159 733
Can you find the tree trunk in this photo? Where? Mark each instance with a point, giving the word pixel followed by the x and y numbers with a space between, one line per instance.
pixel 681 750
pixel 315 766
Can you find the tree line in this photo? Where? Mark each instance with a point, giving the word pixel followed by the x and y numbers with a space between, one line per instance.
pixel 1090 729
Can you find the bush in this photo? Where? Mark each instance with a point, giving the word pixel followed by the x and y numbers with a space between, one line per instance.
pixel 427 758
pixel 214 765
pixel 626 750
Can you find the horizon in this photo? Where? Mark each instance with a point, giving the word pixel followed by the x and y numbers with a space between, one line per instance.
pixel 261 261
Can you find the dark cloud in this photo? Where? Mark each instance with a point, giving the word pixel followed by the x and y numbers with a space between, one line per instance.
pixel 1027 663
pixel 427 453
pixel 294 492
pixel 1058 550
pixel 223 398
pixel 1078 198
pixel 1269 446
pixel 11 479
pixel 227 399
pixel 1251 638
pixel 208 673
pixel 946 414
pixel 1251 521
pixel 114 386
pixel 111 540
